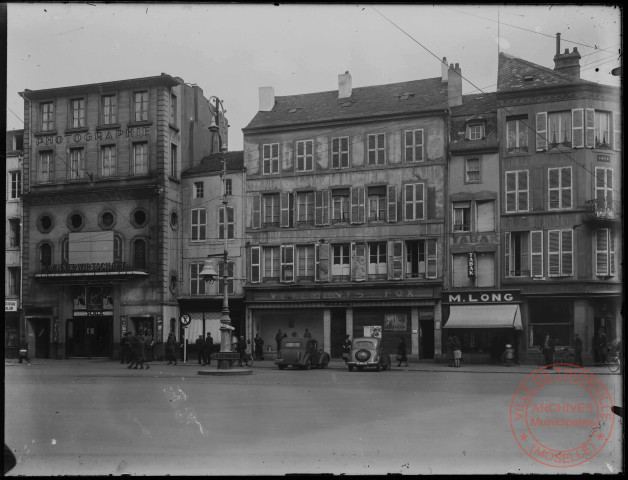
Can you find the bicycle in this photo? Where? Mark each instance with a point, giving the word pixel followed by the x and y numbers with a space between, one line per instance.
pixel 612 361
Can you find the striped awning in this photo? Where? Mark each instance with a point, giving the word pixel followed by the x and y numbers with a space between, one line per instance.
pixel 484 316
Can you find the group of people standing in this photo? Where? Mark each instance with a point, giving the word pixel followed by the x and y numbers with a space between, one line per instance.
pixel 204 349
pixel 137 349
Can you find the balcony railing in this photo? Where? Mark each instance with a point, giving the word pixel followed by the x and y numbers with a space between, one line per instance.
pixel 602 210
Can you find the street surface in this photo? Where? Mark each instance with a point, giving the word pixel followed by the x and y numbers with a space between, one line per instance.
pixel 86 417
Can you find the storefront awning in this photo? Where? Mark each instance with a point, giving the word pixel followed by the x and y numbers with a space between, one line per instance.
pixel 484 316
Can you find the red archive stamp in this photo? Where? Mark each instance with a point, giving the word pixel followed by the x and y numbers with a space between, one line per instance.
pixel 561 417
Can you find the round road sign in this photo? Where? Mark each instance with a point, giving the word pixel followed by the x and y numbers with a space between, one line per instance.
pixel 185 319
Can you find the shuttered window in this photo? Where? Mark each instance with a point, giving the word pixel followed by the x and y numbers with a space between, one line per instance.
pixel 560 253
pixel 461 271
pixel 577 128
pixel 517 191
pixel 485 268
pixel 559 184
pixel 604 252
pixel 541 131
pixel 287 263
pixel 486 216
pixel 255 264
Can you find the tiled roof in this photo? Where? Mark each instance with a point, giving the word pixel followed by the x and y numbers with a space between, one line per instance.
pixel 417 96
pixel 482 107
pixel 213 163
pixel 512 73
pixel 476 104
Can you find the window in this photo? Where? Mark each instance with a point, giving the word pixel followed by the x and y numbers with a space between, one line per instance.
pixel 174 159
pixel 475 131
pixel 140 102
pixel 341 266
pixel 106 220
pixel 287 263
pixel 485 269
pixel 604 189
pixel 482 275
pixel 414 145
pixel 517 191
pixel 199 224
pixel 604 253
pixel 14 232
pixel 139 217
pixel 340 152
pixel 270 159
pixel 45 223
pixel 139 254
pixel 45 255
pixel 305 262
pixel 271 210
pixel 377 204
pixel 271 263
pixel 377 259
pixel 377 149
pixel 197 284
pixel 305 208
pixel 554 317
pixel 109 111
pixel 228 279
pixel 75 222
pixel 560 253
pixel 14 281
pixel 305 156
pixel 77 165
pixel 414 201
pixel 517 252
pixel 139 165
pixel 15 190
pixel 516 135
pixel 559 188
pixel 559 128
pixel 485 216
pixel 460 270
pixel 47 116
pixel 472 170
pixel 173 109
pixel 229 223
pixel 77 112
pixel 228 186
pixel 46 166
pixel 462 216
pixel 198 189
pixel 108 161
pixel 255 264
pixel 340 205
pixel 602 129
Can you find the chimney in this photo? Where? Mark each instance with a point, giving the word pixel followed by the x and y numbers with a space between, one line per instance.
pixel 344 85
pixel 454 85
pixel 568 63
pixel 266 99
pixel 443 70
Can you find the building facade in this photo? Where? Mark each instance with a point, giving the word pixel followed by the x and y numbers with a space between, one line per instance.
pixel 560 155
pixel 102 210
pixel 346 213
pixel 13 243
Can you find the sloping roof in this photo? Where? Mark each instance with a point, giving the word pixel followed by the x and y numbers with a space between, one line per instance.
pixel 418 96
pixel 482 107
pixel 476 103
pixel 512 73
pixel 213 164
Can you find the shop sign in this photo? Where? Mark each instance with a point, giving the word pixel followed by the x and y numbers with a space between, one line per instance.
pixel 93 313
pixel 353 294
pixel 471 264
pixel 10 305
pixel 473 239
pixel 93 136
pixel 479 296
pixel 85 267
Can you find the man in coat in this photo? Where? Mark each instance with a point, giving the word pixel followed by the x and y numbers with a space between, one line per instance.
pixel 200 349
pixel 547 348
pixel 208 349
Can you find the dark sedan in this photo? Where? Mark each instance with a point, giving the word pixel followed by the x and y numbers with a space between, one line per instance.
pixel 301 353
pixel 368 352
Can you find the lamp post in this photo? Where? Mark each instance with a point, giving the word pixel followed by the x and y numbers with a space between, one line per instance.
pixel 208 274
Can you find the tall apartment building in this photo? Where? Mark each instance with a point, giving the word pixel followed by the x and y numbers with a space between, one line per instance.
pixel 13 243
pixel 102 208
pixel 561 173
pixel 346 213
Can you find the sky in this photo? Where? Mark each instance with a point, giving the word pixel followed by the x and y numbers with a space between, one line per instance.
pixel 230 50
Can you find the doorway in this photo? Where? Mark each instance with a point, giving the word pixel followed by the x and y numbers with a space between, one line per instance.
pixel 426 339
pixel 338 329
pixel 89 336
pixel 41 332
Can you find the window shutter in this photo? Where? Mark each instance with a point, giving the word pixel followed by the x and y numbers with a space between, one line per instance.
pixel 511 191
pixel 322 261
pixel 536 240
pixel 609 189
pixel 566 187
pixel 357 204
pixel 255 264
pixel 541 131
pixel 577 128
pixel 486 216
pixel 522 191
pixel 553 252
pixel 566 251
pixel 461 271
pixel 319 212
pixel 287 263
pixel 601 252
pixel 485 265
pixel 507 253
pixel 396 261
pixel 285 209
pixel 358 262
pixel 391 198
pixel 590 128
pixel 611 252
pixel 616 131
pixel 553 176
pixel 432 259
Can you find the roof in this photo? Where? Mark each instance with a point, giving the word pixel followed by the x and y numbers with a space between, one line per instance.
pixel 481 107
pixel 417 96
pixel 212 163
pixel 512 73
pixel 476 104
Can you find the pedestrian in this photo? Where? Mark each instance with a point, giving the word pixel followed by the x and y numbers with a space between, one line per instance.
pixel 150 346
pixel 259 347
pixel 450 351
pixel 346 348
pixel 577 343
pixel 171 345
pixel 307 334
pixel 241 349
pixel 457 351
pixel 509 355
pixel 278 338
pixel 125 349
pixel 139 351
pixel 402 354
pixel 134 360
pixel 23 353
pixel 602 345
pixel 208 348
pixel 547 347
pixel 200 349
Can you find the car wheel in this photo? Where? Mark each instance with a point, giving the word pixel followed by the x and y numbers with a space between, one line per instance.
pixel 281 367
pixel 350 368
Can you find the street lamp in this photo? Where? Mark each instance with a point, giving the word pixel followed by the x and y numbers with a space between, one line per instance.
pixel 209 274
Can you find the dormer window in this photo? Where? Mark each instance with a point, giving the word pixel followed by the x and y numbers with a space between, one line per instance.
pixel 528 78
pixel 475 131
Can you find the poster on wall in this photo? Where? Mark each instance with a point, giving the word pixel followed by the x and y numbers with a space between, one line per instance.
pixel 396 322
pixel 374 331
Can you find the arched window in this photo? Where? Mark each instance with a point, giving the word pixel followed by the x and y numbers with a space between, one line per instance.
pixel 45 255
pixel 65 251
pixel 139 254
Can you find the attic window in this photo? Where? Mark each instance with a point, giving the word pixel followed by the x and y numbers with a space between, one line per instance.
pixel 405 96
pixel 528 78
pixel 294 110
pixel 475 131
pixel 346 104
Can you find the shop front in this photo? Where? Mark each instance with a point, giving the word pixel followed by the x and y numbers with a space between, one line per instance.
pixel 330 313
pixel 484 321
pixel 11 328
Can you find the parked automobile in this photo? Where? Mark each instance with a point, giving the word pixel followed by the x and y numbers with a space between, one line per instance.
pixel 301 353
pixel 368 352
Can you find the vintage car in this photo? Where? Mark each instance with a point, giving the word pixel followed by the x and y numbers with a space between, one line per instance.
pixel 301 353
pixel 368 352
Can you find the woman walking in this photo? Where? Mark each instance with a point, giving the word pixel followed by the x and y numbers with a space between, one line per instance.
pixel 457 351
